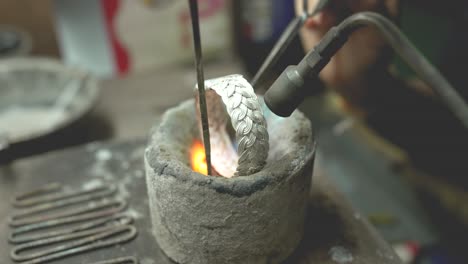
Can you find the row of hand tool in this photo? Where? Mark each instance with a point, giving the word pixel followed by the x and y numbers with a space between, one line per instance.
pixel 55 222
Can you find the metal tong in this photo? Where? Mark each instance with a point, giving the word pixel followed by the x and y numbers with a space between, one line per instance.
pixel 286 38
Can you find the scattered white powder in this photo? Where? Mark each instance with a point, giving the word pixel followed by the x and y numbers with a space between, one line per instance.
pixel 100 170
pixel 17 123
pixel 340 255
pixel 103 155
pixel 92 184
pixel 134 213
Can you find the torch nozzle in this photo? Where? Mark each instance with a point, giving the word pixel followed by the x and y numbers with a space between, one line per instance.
pixel 290 89
pixel 292 86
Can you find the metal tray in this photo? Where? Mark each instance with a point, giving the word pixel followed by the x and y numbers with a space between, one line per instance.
pixel 39 96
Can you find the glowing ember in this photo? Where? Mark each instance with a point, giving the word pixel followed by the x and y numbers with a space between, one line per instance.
pixel 198 159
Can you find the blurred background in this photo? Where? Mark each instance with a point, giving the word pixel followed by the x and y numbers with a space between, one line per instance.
pixel 133 59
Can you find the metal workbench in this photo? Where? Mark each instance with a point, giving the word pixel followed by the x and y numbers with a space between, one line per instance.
pixel 129 107
pixel 334 231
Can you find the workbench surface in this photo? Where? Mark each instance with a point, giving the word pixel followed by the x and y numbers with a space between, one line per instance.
pixel 335 233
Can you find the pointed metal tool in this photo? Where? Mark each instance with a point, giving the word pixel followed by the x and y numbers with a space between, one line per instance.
pixel 201 81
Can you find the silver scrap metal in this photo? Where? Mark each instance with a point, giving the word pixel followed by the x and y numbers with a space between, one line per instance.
pixel 233 96
pixel 55 222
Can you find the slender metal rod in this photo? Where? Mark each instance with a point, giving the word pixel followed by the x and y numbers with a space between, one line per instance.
pixel 201 81
pixel 286 39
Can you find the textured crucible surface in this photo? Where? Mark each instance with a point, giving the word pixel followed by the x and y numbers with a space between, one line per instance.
pixel 205 219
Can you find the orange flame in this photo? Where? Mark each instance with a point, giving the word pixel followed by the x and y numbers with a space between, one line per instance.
pixel 198 159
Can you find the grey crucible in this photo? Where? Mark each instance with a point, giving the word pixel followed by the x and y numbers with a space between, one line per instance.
pixel 249 219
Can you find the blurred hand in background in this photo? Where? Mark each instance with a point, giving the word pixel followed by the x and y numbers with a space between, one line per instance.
pixel 352 70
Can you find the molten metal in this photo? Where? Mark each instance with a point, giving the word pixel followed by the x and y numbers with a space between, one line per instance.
pixel 198 158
